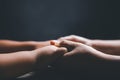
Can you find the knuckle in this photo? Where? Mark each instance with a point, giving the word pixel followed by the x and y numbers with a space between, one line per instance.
pixel 79 44
pixel 64 42
pixel 72 35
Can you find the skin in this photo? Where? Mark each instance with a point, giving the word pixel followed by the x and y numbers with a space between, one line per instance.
pixel 105 46
pixel 14 64
pixel 7 46
pixel 81 57
pixel 83 52
pixel 79 48
pixel 85 60
pixel 84 49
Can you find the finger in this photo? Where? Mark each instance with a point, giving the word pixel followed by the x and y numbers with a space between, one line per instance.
pixel 57 55
pixel 50 51
pixel 46 48
pixel 60 51
pixel 68 54
pixel 55 43
pixel 67 38
pixel 66 43
pixel 71 37
pixel 47 55
pixel 70 45
pixel 75 38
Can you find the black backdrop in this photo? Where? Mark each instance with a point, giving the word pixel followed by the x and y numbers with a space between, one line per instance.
pixel 50 19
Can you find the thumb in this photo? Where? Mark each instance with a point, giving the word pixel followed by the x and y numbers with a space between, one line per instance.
pixel 70 45
pixel 57 55
pixel 48 55
pixel 60 51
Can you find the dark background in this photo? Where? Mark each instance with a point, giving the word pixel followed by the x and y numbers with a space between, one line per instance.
pixel 51 19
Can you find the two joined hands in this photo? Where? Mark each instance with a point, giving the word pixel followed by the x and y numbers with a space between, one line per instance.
pixel 38 55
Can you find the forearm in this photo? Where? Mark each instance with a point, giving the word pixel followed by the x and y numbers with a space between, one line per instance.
pixel 107 46
pixel 16 64
pixel 13 46
pixel 104 56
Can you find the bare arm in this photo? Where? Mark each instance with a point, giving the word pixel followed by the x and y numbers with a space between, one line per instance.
pixel 79 48
pixel 106 46
pixel 7 46
pixel 15 64
pixel 19 63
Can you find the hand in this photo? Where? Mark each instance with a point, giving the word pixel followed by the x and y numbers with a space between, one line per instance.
pixel 82 60
pixel 105 46
pixel 77 39
pixel 80 54
pixel 79 48
pixel 18 63
pixel 81 57
pixel 47 55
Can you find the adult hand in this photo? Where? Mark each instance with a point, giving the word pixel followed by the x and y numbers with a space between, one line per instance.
pixel 79 48
pixel 84 60
pixel 79 55
pixel 18 63
pixel 105 46
pixel 47 55
pixel 76 38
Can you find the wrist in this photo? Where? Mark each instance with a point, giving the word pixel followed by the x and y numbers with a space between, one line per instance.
pixel 31 58
pixel 31 45
pixel 89 42
pixel 94 43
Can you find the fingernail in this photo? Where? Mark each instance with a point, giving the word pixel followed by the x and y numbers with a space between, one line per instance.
pixel 55 43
